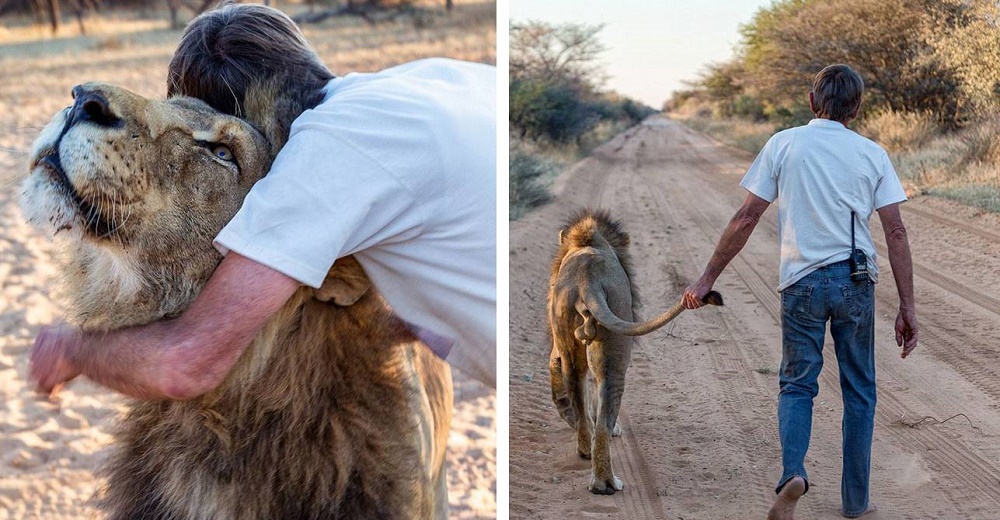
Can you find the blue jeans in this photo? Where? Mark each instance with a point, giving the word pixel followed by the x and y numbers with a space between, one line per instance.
pixel 828 294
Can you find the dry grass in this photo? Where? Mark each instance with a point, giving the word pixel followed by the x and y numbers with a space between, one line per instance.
pixel 743 134
pixel 899 131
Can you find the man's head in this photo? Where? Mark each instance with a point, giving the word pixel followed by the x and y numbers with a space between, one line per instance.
pixel 836 93
pixel 232 54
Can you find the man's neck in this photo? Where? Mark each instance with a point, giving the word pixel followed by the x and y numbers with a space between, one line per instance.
pixel 844 122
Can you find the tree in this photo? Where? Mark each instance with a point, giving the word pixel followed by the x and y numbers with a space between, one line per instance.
pixel 567 53
pixel 970 44
pixel 53 6
pixel 887 42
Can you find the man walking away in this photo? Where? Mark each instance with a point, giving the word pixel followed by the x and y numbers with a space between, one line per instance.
pixel 828 181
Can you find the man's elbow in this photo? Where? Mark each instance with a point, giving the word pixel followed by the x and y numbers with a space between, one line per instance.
pixel 745 221
pixel 896 233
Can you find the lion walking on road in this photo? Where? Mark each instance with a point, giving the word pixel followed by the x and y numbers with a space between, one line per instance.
pixel 590 309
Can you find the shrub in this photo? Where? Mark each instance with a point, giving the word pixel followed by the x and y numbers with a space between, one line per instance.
pixel 528 177
pixel 553 111
pixel 748 107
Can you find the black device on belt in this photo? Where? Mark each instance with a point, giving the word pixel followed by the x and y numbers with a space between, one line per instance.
pixel 859 260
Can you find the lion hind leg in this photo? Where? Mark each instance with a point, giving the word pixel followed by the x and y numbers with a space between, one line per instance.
pixel 560 396
pixel 576 378
pixel 608 389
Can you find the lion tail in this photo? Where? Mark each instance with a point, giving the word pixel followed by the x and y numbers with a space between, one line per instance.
pixel 598 308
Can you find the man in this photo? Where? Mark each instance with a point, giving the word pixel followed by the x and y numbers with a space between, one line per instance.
pixel 396 168
pixel 828 181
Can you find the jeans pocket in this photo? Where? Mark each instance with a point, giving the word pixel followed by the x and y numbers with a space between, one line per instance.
pixel 795 300
pixel 859 296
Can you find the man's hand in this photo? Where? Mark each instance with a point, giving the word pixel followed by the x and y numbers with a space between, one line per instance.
pixel 906 331
pixel 51 357
pixel 694 295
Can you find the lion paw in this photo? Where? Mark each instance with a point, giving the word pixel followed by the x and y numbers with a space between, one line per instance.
pixel 617 430
pixel 606 487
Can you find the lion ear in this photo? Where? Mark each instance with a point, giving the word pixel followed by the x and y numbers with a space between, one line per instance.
pixel 560 237
pixel 345 284
pixel 270 112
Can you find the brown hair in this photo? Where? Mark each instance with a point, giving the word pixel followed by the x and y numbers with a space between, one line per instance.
pixel 236 49
pixel 837 92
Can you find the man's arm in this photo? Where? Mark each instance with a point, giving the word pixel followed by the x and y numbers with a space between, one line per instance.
pixel 172 359
pixel 902 271
pixel 732 241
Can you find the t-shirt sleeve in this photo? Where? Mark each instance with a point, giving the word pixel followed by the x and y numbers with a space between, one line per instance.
pixel 761 178
pixel 888 190
pixel 323 199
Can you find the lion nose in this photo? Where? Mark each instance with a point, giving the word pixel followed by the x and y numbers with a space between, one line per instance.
pixel 92 106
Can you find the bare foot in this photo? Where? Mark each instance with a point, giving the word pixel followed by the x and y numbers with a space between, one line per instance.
pixel 784 505
pixel 871 508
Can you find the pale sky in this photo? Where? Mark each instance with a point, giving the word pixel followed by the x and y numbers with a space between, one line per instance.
pixel 652 44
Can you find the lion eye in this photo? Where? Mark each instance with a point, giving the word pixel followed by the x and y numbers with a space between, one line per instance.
pixel 222 152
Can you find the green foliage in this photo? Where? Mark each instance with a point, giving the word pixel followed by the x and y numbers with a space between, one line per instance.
pixel 541 109
pixel 971 47
pixel 888 43
pixel 554 78
pixel 748 107
pixel 556 104
pixel 937 59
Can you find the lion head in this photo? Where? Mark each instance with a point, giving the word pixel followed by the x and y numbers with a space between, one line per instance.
pixel 139 188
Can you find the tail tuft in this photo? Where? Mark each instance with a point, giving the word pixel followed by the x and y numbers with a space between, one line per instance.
pixel 713 298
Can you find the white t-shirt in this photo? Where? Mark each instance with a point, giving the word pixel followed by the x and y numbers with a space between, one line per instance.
pixel 819 173
pixel 397 168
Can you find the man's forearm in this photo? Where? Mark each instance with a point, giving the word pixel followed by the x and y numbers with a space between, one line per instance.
pixel 188 356
pixel 129 361
pixel 902 266
pixel 731 243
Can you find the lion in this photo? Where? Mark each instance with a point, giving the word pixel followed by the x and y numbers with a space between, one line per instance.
pixel 590 310
pixel 334 411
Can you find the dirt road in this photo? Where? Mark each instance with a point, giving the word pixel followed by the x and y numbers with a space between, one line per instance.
pixel 700 431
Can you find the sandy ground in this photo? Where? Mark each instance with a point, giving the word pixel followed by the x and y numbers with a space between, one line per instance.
pixel 700 433
pixel 48 452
